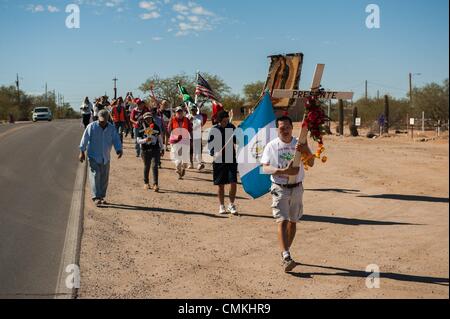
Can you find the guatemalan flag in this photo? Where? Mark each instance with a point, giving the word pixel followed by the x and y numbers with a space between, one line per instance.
pixel 253 135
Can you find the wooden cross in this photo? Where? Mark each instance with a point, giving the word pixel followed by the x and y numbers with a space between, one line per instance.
pixel 315 90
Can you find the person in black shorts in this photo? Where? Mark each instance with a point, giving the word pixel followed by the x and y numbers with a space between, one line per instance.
pixel 221 145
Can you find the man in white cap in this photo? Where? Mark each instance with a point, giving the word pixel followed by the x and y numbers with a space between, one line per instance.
pixel 98 139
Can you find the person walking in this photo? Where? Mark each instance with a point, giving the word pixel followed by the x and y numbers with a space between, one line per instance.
pixel 225 164
pixel 136 118
pixel 198 121
pixel 158 120
pixel 86 112
pixel 180 129
pixel 98 139
pixel 287 199
pixel 119 116
pixel 129 106
pixel 167 115
pixel 152 148
pixel 97 108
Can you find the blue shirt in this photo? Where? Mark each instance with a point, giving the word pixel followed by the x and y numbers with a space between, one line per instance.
pixel 99 141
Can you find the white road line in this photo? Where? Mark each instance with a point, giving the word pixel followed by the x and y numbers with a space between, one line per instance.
pixel 71 250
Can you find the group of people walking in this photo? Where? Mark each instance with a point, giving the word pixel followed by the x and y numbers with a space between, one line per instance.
pixel 156 129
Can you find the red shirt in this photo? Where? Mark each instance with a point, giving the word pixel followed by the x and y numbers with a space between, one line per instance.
pixel 137 115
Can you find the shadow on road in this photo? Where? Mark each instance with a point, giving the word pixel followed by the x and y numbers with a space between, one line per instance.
pixel 414 198
pixel 167 191
pixel 159 210
pixel 343 272
pixel 341 220
pixel 335 190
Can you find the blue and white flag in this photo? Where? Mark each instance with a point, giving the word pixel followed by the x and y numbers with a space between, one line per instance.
pixel 254 134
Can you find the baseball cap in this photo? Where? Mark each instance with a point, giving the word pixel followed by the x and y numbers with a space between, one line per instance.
pixel 179 109
pixel 147 115
pixel 103 115
pixel 138 101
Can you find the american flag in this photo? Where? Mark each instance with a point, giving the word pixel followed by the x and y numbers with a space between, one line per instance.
pixel 203 89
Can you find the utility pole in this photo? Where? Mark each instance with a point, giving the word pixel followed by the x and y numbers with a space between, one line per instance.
pixel 366 90
pixel 410 90
pixel 378 94
pixel 18 89
pixel 115 88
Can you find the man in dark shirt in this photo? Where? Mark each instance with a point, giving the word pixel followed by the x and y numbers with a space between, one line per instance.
pixel 221 145
pixel 136 118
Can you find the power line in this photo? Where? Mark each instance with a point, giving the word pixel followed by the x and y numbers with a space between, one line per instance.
pixel 388 87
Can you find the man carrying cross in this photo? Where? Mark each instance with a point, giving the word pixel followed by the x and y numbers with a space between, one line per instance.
pixel 282 158
pixel 287 198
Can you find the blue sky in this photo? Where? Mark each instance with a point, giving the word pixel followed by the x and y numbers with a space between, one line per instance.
pixel 135 39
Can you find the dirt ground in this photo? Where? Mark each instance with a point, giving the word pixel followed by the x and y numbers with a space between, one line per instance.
pixel 377 201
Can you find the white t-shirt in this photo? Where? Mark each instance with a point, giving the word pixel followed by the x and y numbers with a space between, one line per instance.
pixel 86 108
pixel 278 154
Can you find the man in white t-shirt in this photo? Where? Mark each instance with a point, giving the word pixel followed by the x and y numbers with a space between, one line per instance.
pixel 287 198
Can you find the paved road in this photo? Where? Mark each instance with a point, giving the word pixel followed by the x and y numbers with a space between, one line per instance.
pixel 37 173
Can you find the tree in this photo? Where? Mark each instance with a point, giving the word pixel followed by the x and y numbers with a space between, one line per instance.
pixel 166 88
pixel 232 101
pixel 253 92
pixel 22 111
pixel 433 100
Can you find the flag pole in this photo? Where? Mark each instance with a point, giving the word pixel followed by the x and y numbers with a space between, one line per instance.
pixel 196 96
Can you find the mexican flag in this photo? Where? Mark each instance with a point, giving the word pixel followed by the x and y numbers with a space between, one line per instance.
pixel 186 97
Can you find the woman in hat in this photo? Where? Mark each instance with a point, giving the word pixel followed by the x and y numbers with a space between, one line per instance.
pixel 150 139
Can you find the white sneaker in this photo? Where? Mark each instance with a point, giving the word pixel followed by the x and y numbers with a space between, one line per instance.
pixel 222 210
pixel 232 209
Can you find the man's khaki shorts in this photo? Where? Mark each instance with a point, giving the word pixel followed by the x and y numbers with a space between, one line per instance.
pixel 287 204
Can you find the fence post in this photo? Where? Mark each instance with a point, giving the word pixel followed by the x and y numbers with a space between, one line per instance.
pixel 341 117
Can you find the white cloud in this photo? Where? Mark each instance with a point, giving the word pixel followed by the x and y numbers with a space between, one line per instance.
pixel 157 38
pixel 193 18
pixel 35 8
pixel 150 15
pixel 187 17
pixel 152 8
pixel 52 9
pixel 199 10
pixel 147 5
pixel 180 8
